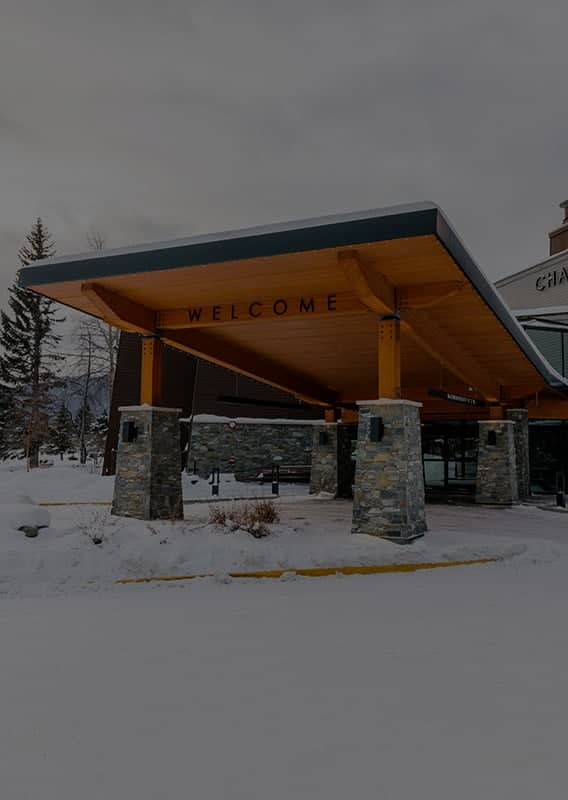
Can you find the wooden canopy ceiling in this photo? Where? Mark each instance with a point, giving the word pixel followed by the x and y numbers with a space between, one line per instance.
pixel 298 306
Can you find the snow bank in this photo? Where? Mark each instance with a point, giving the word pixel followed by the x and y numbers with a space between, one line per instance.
pixel 18 511
pixel 214 418
pixel 311 533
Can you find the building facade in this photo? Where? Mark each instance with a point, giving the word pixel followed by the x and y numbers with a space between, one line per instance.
pixel 538 297
pixel 385 304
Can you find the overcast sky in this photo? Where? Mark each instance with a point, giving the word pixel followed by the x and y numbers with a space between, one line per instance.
pixel 149 119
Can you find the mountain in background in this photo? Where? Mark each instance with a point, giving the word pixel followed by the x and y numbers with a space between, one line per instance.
pixel 71 393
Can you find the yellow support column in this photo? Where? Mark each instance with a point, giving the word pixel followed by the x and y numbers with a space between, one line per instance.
pixel 389 359
pixel 151 371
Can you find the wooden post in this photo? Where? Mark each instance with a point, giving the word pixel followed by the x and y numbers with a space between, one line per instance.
pixel 389 359
pixel 151 371
pixel 496 412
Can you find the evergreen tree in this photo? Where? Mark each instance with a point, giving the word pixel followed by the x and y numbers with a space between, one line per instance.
pixel 28 337
pixel 6 417
pixel 99 433
pixel 62 431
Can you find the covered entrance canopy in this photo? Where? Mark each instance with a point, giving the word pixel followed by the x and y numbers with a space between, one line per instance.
pixel 384 303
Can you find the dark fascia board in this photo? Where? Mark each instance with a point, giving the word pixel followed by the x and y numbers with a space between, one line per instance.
pixel 289 237
pixel 346 230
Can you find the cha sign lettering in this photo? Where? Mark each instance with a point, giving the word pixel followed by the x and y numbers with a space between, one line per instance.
pixel 551 279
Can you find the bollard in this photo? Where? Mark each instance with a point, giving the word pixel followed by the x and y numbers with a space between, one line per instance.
pixel 275 479
pixel 214 481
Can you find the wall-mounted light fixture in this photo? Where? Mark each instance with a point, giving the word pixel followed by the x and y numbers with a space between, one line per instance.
pixel 129 431
pixel 377 429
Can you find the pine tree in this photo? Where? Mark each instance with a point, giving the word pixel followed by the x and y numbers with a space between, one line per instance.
pixel 62 431
pixel 6 418
pixel 28 369
pixel 99 433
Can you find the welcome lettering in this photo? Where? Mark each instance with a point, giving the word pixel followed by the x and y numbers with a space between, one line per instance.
pixel 257 309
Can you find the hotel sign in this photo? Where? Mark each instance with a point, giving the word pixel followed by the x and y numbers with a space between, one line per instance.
pixel 456 398
pixel 551 279
pixel 307 306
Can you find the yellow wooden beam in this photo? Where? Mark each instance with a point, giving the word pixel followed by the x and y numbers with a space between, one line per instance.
pixel 372 288
pixel 118 310
pixel 253 365
pixel 378 294
pixel 389 359
pixel 429 294
pixel 431 338
pixel 497 412
pixel 151 375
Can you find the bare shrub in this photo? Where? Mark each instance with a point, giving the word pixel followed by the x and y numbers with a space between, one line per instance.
pixel 254 516
pixel 97 525
pixel 265 511
pixel 217 515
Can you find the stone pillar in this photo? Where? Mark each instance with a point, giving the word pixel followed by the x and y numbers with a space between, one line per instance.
pixel 520 416
pixel 324 459
pixel 148 465
pixel 389 479
pixel 496 482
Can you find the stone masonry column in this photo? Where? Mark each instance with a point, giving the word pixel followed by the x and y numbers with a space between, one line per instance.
pixel 148 465
pixel 496 482
pixel 520 416
pixel 389 479
pixel 324 459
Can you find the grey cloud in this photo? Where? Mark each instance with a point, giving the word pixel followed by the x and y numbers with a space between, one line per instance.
pixel 156 119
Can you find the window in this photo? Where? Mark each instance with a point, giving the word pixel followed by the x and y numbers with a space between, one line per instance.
pixel 553 345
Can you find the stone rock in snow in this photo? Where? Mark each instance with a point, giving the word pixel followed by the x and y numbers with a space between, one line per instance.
pixel 21 513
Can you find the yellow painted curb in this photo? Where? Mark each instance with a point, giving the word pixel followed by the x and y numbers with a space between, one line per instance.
pixel 79 503
pixel 319 572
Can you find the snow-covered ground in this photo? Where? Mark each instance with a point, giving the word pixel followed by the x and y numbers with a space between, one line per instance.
pixel 312 531
pixel 71 482
pixel 439 685
pixel 449 684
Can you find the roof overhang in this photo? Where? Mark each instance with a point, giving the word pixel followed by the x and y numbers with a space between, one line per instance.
pixel 296 304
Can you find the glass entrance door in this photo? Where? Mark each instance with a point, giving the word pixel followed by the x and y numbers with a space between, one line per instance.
pixel 449 451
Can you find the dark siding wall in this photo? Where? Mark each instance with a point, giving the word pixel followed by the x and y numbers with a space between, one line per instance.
pixel 179 375
pixel 125 392
pixel 195 386
pixel 214 382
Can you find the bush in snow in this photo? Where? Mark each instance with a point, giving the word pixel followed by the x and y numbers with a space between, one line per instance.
pixel 97 525
pixel 253 517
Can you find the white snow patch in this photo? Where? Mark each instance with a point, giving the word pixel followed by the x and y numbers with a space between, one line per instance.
pixel 213 418
pixel 437 685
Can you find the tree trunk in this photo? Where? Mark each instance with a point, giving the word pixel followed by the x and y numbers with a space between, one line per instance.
pixel 83 425
pixel 34 433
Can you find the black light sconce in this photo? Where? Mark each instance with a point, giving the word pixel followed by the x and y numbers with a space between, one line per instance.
pixel 324 438
pixel 129 432
pixel 377 429
pixel 492 438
